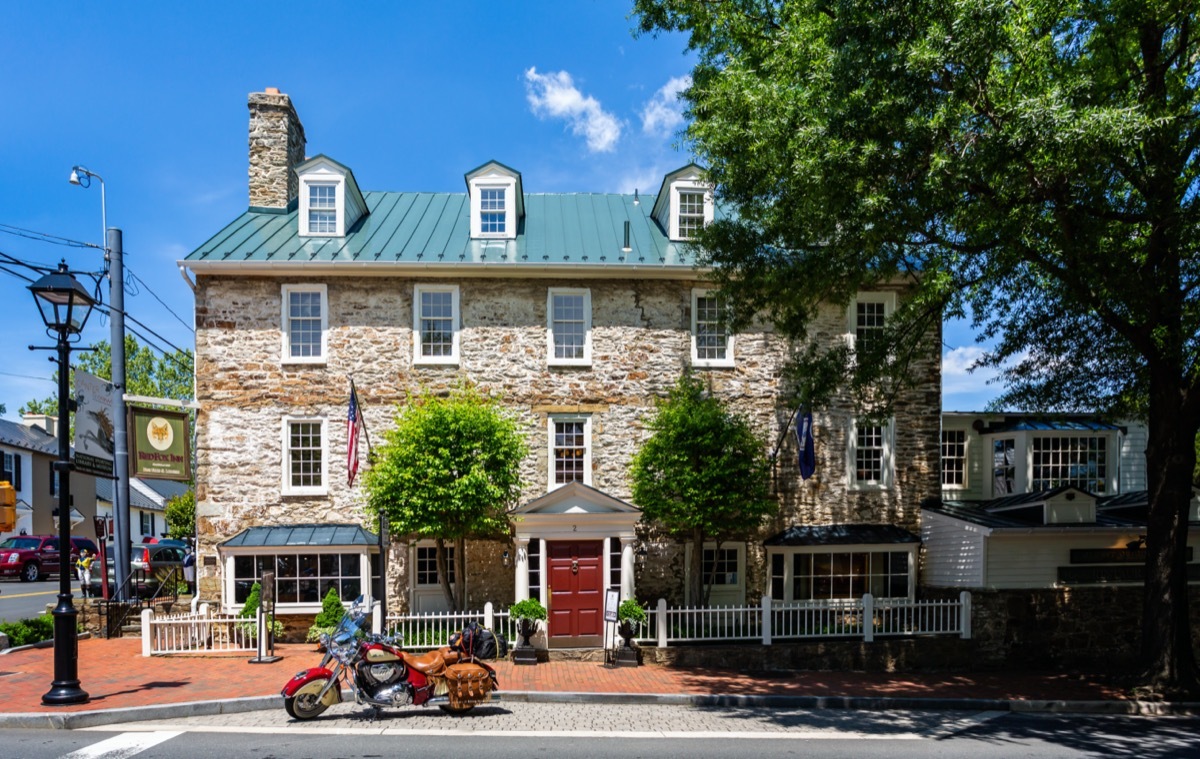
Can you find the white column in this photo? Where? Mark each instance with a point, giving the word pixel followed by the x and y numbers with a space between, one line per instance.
pixel 522 568
pixel 627 589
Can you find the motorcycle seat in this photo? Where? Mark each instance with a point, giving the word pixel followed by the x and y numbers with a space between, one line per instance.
pixel 431 663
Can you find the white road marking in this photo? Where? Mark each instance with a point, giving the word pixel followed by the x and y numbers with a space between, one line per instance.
pixel 395 731
pixel 124 745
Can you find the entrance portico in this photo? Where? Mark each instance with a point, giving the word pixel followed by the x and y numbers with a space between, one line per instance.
pixel 567 555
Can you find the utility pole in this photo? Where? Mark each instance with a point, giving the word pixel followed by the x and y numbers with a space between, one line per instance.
pixel 116 301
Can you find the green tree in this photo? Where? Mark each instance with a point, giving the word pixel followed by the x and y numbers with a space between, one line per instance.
pixel 448 470
pixel 166 376
pixel 180 513
pixel 1034 163
pixel 702 473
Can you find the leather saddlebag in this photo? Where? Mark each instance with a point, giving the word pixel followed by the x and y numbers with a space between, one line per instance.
pixel 468 684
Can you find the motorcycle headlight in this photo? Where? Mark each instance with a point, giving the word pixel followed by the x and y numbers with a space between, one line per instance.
pixel 325 640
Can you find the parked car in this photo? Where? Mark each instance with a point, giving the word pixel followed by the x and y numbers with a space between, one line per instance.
pixel 32 557
pixel 150 564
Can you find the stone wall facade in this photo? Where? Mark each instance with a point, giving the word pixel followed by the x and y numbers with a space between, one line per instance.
pixel 640 347
pixel 276 145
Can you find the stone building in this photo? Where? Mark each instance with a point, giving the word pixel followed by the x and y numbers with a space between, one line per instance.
pixel 578 311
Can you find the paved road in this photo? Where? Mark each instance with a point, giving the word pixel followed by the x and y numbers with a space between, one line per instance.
pixel 22 600
pixel 522 730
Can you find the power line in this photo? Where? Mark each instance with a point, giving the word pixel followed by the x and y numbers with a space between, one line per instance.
pixel 160 300
pixel 31 234
pixel 105 309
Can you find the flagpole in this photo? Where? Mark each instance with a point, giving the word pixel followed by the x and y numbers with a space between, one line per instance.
pixel 362 419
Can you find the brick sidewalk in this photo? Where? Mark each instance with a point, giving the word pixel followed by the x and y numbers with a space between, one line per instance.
pixel 117 676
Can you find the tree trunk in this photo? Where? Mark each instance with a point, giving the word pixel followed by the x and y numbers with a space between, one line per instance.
pixel 444 574
pixel 1167 650
pixel 460 574
pixel 696 569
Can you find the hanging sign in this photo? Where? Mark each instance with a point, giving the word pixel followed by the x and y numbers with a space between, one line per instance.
pixel 159 444
pixel 94 434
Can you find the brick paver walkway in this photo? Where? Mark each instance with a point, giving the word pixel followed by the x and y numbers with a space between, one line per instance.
pixel 117 676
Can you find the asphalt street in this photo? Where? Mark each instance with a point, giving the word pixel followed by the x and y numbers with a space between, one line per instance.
pixel 589 730
pixel 22 600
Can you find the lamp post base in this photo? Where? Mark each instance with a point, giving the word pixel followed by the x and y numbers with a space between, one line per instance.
pixel 65 690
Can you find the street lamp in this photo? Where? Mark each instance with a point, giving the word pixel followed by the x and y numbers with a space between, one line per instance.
pixel 65 306
pixel 81 177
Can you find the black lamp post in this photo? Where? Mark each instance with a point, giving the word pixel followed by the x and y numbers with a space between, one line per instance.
pixel 65 306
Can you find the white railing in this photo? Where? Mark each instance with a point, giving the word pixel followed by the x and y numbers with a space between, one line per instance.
pixel 189 632
pixel 429 630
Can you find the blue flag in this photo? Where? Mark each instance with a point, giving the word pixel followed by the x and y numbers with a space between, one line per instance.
pixel 804 443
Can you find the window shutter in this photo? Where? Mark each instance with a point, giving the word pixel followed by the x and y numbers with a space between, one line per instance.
pixel 16 483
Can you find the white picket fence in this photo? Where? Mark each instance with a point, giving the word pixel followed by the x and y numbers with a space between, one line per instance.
pixel 866 618
pixel 197 630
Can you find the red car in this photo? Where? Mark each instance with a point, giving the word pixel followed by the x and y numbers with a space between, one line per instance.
pixel 32 557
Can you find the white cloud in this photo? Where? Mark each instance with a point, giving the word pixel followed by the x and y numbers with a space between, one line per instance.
pixel 555 95
pixel 963 387
pixel 663 114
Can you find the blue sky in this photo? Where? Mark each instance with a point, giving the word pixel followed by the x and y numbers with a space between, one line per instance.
pixel 152 96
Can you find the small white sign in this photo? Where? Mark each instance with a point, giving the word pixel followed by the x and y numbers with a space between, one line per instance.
pixel 611 598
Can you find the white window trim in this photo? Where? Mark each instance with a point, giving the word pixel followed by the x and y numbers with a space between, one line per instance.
pixel 688 186
pixel 453 358
pixel 285 324
pixel 587 447
pixel 729 545
pixel 889 458
pixel 494 182
pixel 726 362
pixel 286 480
pixel 228 583
pixel 789 567
pixel 339 194
pixel 966 483
pixel 551 360
pixel 889 307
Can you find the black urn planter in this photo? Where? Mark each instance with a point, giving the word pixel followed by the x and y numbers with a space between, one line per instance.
pixel 524 652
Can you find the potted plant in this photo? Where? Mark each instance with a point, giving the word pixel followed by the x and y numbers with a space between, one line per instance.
pixel 630 618
pixel 325 622
pixel 527 613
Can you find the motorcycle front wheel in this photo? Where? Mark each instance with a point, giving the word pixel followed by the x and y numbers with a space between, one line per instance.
pixel 304 705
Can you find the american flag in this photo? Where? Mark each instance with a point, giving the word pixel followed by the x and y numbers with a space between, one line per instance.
pixel 353 426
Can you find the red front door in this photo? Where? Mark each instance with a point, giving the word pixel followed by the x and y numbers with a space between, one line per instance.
pixel 576 593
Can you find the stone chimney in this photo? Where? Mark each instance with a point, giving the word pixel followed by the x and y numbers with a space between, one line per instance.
pixel 276 145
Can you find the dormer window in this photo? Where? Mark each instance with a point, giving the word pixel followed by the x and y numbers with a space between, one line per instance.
pixel 492 215
pixel 322 208
pixel 330 201
pixel 496 201
pixel 684 203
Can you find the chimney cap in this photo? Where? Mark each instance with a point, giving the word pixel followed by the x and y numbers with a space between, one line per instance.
pixel 271 90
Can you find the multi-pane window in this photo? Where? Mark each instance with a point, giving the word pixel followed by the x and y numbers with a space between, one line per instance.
pixel 710 333
pixel 436 324
pixel 322 209
pixel 304 456
pixel 691 214
pixel 570 322
pixel 614 563
pixel 12 471
pixel 720 565
pixel 534 552
pixel 146 520
pixel 954 458
pixel 1004 467
pixel 1070 460
pixel 870 454
pixel 427 573
pixel 869 319
pixel 300 577
pixel 569 451
pixel 816 576
pixel 304 322
pixel 491 210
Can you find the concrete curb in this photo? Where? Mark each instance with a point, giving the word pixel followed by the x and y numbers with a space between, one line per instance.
pixel 101 717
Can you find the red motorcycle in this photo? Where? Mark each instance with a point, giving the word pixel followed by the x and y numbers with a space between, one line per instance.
pixel 380 674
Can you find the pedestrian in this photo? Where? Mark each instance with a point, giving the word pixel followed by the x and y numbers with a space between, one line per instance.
pixel 189 570
pixel 83 565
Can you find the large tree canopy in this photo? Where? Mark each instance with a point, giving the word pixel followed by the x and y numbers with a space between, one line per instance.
pixel 448 470
pixel 1030 165
pixel 702 474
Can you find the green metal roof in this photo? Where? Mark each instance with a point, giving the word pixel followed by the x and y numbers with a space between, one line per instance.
pixel 420 229
pixel 302 535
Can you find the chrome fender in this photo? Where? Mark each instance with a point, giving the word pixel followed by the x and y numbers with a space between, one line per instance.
pixel 312 681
